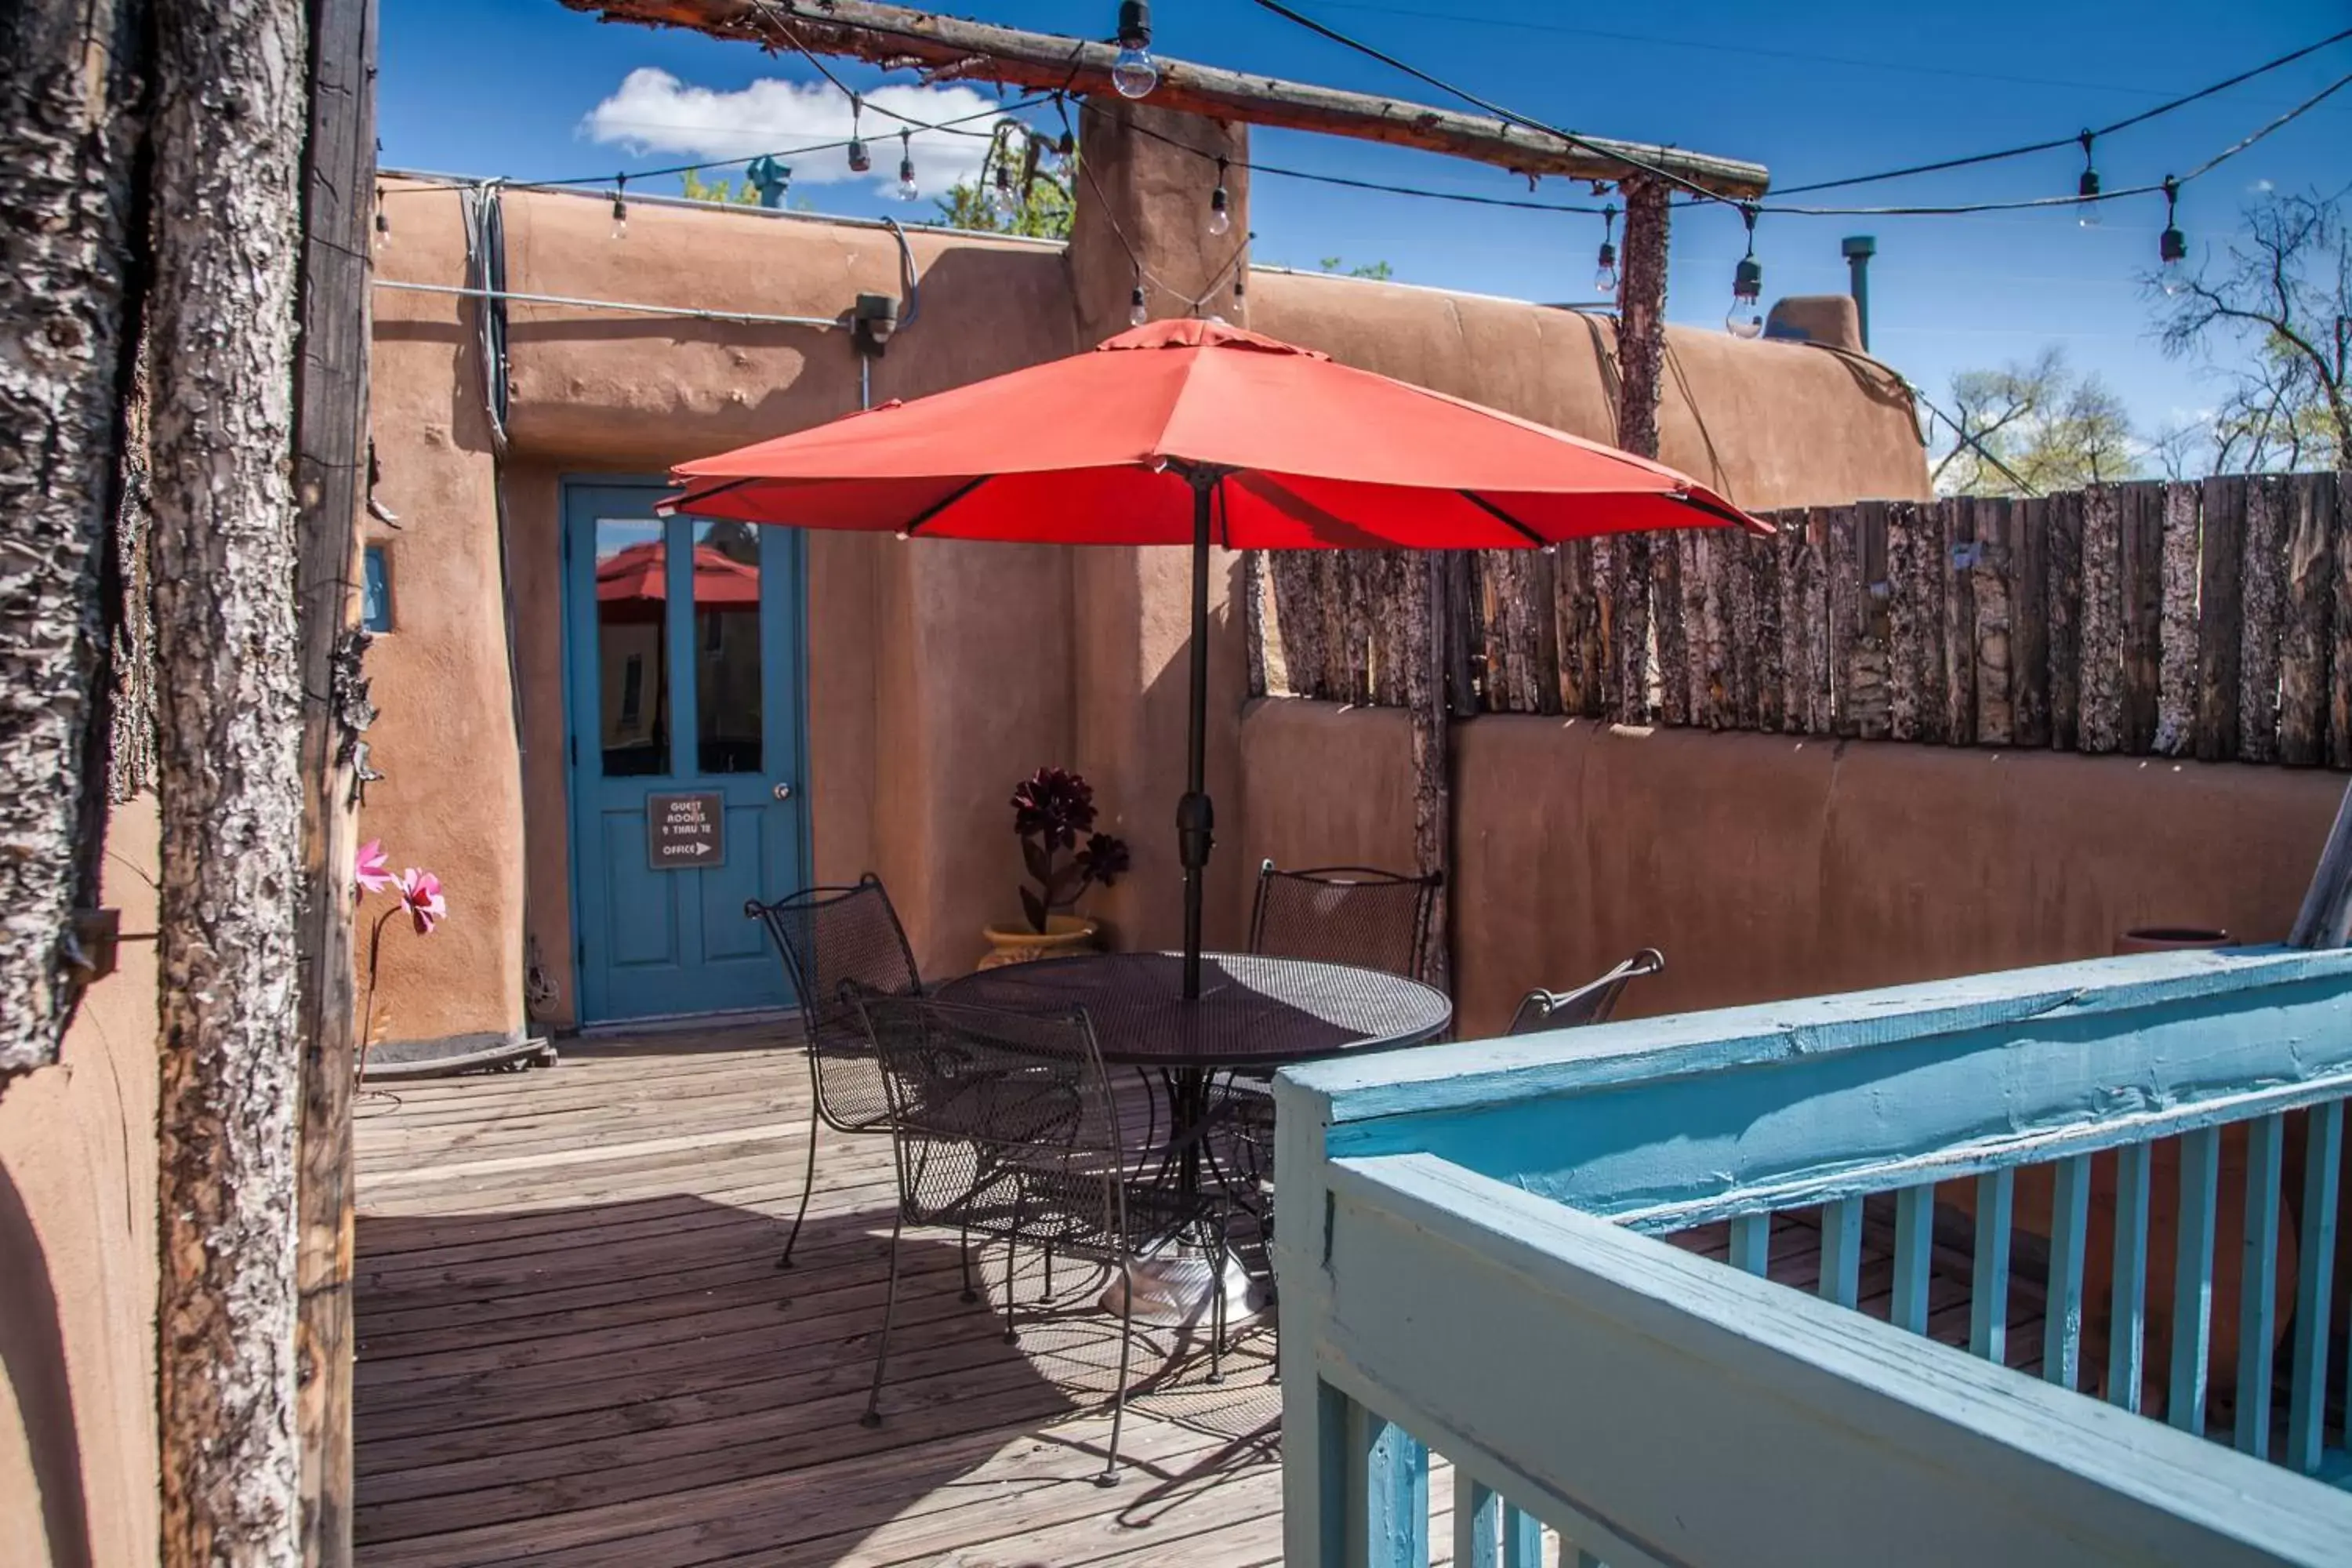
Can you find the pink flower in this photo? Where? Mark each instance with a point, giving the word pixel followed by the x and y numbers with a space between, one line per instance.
pixel 371 869
pixel 420 893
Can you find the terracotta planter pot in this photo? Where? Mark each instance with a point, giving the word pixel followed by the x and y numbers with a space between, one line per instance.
pixel 1063 935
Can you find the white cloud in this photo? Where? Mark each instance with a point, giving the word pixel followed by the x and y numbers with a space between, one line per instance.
pixel 653 112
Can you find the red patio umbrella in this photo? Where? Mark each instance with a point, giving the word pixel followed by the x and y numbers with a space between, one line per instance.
pixel 1188 432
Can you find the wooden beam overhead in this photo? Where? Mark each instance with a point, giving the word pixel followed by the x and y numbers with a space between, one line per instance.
pixel 946 47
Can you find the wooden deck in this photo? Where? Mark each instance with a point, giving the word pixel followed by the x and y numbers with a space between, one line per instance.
pixel 575 1348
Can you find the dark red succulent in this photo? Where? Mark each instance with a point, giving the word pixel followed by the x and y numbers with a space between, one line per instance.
pixel 1052 809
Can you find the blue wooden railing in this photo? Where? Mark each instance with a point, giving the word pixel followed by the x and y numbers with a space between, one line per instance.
pixel 1466 1250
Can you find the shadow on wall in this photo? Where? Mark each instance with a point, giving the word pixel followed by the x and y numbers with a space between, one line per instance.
pixel 32 1356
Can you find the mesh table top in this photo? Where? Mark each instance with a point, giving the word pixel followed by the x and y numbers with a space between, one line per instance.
pixel 1251 1012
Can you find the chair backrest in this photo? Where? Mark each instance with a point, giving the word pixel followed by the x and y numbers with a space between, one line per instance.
pixel 1588 1004
pixel 1005 1122
pixel 831 938
pixel 1345 914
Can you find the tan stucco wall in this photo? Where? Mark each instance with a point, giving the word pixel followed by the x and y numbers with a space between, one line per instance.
pixel 1765 867
pixel 939 672
pixel 78 1261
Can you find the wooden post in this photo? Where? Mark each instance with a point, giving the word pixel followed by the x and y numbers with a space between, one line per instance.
pixel 1427 614
pixel 330 479
pixel 2311 548
pixel 1641 370
pixel 71 204
pixel 2220 648
pixel 229 124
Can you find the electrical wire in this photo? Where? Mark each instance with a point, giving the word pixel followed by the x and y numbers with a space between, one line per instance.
pixel 2057 141
pixel 2207 167
pixel 600 181
pixel 1615 154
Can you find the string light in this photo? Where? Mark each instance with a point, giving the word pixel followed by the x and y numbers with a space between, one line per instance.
pixel 2086 208
pixel 860 160
pixel 908 189
pixel 1000 196
pixel 2171 247
pixel 383 222
pixel 1138 312
pixel 1605 274
pixel 1133 70
pixel 1221 217
pixel 620 206
pixel 1746 318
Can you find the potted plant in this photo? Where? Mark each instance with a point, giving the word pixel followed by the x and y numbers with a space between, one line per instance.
pixel 1054 816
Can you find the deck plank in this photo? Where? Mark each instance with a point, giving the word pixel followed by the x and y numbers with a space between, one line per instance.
pixel 575 1348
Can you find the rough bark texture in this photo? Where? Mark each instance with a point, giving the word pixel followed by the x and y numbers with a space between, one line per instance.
pixel 1427 610
pixel 2103 626
pixel 1640 366
pixel 2310 616
pixel 229 126
pixel 70 88
pixel 2264 589
pixel 1956 564
pixel 1903 684
pixel 2028 632
pixel 2219 648
pixel 331 466
pixel 2176 701
pixel 1254 620
pixel 1989 582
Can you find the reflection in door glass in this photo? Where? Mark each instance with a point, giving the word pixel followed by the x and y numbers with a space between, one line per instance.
pixel 632 648
pixel 727 646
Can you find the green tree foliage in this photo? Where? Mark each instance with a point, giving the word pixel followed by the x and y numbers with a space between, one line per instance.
pixel 2034 427
pixel 1378 270
pixel 1042 174
pixel 698 189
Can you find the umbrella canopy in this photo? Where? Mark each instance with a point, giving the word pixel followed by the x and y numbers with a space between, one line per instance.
pixel 1186 432
pixel 1106 447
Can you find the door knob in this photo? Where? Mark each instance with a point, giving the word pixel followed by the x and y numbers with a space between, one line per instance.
pixel 782 792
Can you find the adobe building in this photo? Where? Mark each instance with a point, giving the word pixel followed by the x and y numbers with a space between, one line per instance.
pixel 861 703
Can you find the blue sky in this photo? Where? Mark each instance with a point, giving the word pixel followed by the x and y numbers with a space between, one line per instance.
pixel 513 86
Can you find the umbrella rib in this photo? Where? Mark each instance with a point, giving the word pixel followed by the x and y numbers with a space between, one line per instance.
pixel 1724 514
pixel 945 502
pixel 1483 504
pixel 669 508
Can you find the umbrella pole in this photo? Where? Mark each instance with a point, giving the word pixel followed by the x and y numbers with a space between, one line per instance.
pixel 1194 817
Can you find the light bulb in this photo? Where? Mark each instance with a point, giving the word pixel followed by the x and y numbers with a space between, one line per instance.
pixel 382 230
pixel 1132 70
pixel 1221 217
pixel 1746 318
pixel 620 218
pixel 1134 73
pixel 1000 196
pixel 2086 210
pixel 2173 248
pixel 908 189
pixel 860 160
pixel 1604 272
pixel 1138 312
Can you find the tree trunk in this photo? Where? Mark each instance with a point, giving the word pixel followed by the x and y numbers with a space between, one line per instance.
pixel 331 468
pixel 230 112
pixel 71 91
pixel 1641 367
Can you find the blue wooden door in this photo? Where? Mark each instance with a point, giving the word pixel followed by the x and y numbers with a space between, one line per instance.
pixel 682 648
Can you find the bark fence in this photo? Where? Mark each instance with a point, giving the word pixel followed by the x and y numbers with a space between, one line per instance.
pixel 2210 619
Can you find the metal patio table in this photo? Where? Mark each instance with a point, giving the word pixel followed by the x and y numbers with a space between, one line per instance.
pixel 1254 1013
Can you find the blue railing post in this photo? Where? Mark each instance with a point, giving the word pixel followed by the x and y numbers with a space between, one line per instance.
pixel 1391 1472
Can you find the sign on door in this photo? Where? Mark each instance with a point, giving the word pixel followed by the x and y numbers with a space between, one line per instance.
pixel 684 830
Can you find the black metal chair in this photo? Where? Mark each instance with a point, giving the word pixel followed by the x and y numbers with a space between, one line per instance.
pixel 1588 1004
pixel 1006 1128
pixel 1333 914
pixel 829 937
pixel 1345 914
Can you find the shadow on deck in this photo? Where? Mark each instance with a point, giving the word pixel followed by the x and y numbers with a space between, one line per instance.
pixel 575 1348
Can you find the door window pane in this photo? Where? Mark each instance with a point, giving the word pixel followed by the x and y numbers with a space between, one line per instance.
pixel 632 648
pixel 727 646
